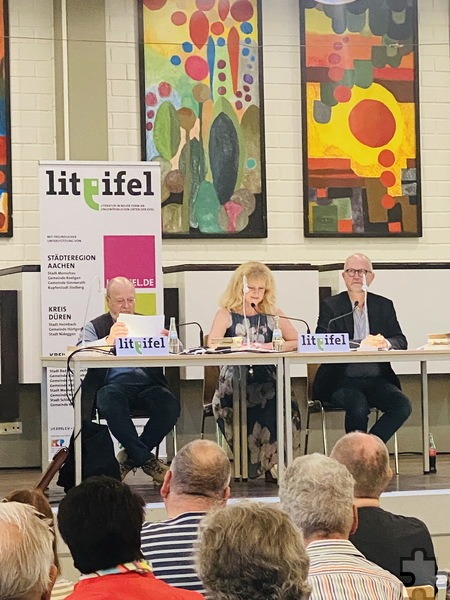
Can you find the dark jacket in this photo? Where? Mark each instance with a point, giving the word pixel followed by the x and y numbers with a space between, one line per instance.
pixel 96 378
pixel 382 319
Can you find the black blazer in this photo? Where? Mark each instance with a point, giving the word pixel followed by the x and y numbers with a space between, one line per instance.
pixel 382 319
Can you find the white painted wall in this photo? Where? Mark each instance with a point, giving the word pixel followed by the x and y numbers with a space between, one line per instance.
pixel 33 135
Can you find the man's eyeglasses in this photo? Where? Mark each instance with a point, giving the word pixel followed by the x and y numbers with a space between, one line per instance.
pixel 360 272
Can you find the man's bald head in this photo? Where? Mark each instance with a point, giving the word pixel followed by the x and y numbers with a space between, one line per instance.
pixel 363 261
pixel 367 459
pixel 120 296
pixel 201 468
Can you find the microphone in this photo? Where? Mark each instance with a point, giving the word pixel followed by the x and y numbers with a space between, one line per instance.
pixel 202 337
pixel 355 305
pixel 96 278
pixel 245 290
pixel 364 287
pixel 308 331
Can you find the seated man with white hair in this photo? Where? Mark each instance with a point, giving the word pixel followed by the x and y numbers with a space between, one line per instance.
pixel 317 492
pixel 27 571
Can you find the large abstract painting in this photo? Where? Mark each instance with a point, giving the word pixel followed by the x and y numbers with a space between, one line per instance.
pixel 202 114
pixel 360 118
pixel 5 130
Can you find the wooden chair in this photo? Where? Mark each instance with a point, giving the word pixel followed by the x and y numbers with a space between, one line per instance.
pixel 420 592
pixel 314 406
pixel 53 468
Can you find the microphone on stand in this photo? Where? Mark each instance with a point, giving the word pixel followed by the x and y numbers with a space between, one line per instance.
pixel 202 337
pixel 245 290
pixel 355 305
pixel 100 289
pixel 365 289
pixel 308 331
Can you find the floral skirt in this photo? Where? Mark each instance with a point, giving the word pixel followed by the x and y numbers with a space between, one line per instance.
pixel 261 416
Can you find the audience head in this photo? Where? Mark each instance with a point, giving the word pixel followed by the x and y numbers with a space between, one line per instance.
pixel 100 520
pixel 27 571
pixel 252 551
pixel 367 459
pixel 120 296
pixel 200 471
pixel 37 499
pixel 258 276
pixel 317 492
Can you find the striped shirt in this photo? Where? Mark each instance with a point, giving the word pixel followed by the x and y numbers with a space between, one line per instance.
pixel 338 571
pixel 168 546
pixel 61 589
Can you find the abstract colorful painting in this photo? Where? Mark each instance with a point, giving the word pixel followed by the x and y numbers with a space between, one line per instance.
pixel 5 128
pixel 361 160
pixel 202 115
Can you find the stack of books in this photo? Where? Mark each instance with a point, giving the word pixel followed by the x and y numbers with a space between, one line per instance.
pixel 234 343
pixel 438 341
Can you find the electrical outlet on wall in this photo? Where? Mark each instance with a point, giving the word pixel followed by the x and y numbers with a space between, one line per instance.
pixel 11 428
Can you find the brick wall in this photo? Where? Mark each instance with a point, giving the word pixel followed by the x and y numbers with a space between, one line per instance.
pixel 33 133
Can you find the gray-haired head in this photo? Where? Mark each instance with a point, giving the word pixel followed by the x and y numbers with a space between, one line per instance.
pixel 200 468
pixel 363 261
pixel 317 492
pixel 367 459
pixel 26 553
pixel 252 551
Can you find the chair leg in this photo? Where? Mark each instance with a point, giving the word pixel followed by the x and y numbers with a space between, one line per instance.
pixel 396 453
pixel 324 431
pixel 308 415
pixel 175 444
pixel 202 431
pixel 395 446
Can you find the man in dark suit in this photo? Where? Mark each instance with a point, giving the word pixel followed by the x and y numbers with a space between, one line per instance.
pixel 359 387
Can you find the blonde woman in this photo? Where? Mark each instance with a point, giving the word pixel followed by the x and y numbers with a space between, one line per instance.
pixel 246 313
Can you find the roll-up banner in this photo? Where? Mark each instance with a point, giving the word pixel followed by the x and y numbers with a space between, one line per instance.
pixel 98 221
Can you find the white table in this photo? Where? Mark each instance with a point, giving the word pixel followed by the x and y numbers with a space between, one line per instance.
pixel 91 360
pixel 394 356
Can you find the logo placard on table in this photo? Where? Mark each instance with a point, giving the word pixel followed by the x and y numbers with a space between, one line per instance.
pixel 323 342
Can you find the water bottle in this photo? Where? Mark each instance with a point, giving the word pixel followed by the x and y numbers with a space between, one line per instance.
pixel 432 452
pixel 174 342
pixel 277 336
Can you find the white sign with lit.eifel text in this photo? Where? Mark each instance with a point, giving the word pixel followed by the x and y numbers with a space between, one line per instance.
pixel 323 342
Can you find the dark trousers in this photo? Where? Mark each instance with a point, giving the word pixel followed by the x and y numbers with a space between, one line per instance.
pixel 357 395
pixel 116 400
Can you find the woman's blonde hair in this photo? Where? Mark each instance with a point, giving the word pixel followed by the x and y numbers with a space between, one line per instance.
pixel 231 299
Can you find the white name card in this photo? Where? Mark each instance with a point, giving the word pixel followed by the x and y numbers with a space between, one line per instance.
pixel 142 346
pixel 323 342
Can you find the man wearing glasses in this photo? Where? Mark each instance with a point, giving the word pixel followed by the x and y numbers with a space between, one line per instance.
pixel 116 391
pixel 370 320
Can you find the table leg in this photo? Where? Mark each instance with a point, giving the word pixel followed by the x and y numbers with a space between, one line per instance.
pixel 77 422
pixel 236 428
pixel 243 406
pixel 280 416
pixel 44 420
pixel 288 409
pixel 425 417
